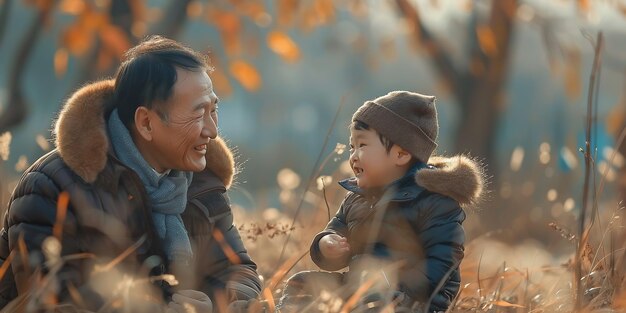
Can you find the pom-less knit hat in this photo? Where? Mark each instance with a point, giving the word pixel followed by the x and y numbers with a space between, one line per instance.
pixel 408 119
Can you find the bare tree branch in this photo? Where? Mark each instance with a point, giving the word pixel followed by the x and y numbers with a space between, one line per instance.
pixel 17 107
pixel 585 222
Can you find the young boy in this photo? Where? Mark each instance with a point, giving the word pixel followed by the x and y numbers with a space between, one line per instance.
pixel 399 228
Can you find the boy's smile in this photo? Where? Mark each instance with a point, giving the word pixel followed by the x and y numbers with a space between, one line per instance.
pixel 357 171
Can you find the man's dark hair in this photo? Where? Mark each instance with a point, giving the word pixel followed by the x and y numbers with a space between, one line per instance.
pixel 148 74
pixel 358 125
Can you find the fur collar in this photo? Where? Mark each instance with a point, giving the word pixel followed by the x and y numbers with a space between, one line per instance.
pixel 82 140
pixel 457 177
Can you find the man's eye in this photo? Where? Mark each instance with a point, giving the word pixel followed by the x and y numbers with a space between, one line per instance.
pixel 362 145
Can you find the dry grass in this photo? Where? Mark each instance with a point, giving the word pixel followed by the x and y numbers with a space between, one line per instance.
pixel 497 277
pixel 523 277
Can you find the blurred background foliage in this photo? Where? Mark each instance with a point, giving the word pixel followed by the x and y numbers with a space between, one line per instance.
pixel 510 77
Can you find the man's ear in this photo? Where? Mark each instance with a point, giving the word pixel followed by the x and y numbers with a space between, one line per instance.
pixel 143 123
pixel 401 156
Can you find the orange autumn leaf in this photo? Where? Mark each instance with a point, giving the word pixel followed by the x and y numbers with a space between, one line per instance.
pixel 622 8
pixel 616 118
pixel 571 71
pixel 72 7
pixel 287 10
pixel 139 9
pixel 76 39
pixel 325 10
pixel 93 20
pixel 115 40
pixel 60 62
pixel 226 21
pixel 487 40
pixel 194 9
pixel 282 45
pixel 105 60
pixel 320 12
pixel 246 75
pixel 583 5
pixel 229 26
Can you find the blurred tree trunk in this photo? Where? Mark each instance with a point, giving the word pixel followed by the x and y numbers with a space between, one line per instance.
pixel 175 16
pixel 5 7
pixel 17 108
pixel 121 15
pixel 478 89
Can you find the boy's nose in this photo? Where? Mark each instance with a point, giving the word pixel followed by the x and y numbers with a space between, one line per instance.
pixel 353 157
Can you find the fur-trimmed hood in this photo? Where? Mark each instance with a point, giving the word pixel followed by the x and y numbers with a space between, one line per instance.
pixel 82 140
pixel 458 177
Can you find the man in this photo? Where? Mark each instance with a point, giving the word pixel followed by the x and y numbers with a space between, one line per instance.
pixel 117 200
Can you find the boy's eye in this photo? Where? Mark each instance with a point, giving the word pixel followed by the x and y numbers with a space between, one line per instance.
pixel 362 145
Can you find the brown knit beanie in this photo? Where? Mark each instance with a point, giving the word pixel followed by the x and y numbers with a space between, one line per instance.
pixel 406 118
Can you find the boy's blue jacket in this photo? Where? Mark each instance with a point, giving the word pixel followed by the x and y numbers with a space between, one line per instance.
pixel 420 217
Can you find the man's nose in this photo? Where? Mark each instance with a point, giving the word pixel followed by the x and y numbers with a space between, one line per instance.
pixel 210 128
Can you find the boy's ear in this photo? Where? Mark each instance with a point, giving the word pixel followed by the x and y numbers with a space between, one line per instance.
pixel 401 156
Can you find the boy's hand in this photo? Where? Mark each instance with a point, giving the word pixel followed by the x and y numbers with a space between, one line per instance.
pixel 334 246
pixel 188 301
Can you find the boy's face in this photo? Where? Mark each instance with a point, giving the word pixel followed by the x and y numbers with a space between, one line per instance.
pixel 371 163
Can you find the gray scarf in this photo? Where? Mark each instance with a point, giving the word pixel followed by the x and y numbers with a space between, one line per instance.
pixel 167 194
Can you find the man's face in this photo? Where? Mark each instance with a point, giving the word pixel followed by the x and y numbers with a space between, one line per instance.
pixel 180 141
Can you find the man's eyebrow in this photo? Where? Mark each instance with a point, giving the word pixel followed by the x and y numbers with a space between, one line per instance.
pixel 200 105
